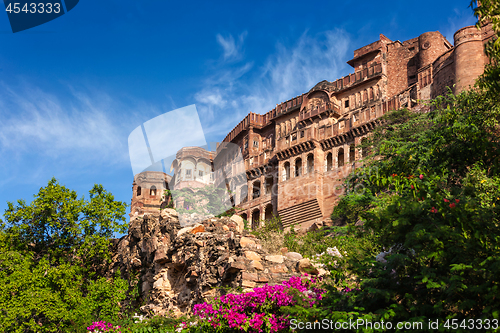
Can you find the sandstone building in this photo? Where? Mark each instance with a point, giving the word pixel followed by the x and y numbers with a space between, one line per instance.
pixel 296 155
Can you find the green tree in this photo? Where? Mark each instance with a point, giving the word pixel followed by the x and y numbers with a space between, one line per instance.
pixel 60 224
pixel 53 253
pixel 489 11
pixel 432 195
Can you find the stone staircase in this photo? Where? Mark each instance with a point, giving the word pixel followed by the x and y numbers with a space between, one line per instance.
pixel 305 212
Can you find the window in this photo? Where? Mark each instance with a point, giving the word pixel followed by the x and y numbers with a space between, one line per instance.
pixel 352 154
pixel 412 77
pixel 346 103
pixel 329 162
pixel 188 173
pixel 256 189
pixel 340 157
pixel 301 134
pixel 200 173
pixel 256 144
pixel 310 164
pixel 138 190
pixel 152 191
pixel 298 167
pixel 286 171
pixel 246 144
pixel 294 136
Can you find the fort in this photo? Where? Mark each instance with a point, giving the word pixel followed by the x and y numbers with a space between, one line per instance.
pixel 297 155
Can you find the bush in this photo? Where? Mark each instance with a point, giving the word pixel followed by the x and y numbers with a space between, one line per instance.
pixel 271 235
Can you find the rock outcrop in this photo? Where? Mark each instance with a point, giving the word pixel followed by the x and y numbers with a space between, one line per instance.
pixel 176 267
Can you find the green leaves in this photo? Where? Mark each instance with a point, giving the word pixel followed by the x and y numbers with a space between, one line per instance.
pixel 58 223
pixel 48 252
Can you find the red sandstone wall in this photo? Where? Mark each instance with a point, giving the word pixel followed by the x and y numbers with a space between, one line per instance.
pixel 469 57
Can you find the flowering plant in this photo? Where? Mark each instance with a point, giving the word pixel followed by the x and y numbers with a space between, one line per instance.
pixel 259 310
pixel 102 326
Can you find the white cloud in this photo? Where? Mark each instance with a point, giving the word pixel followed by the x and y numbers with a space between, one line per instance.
pixel 235 90
pixel 232 49
pixel 34 121
pixel 461 18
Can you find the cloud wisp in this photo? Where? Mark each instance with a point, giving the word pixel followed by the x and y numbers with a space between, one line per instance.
pixel 232 48
pixel 234 90
pixel 37 122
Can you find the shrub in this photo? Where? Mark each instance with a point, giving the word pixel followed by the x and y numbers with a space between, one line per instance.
pixel 256 311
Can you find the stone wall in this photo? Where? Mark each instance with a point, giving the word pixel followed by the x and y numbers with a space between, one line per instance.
pixel 175 268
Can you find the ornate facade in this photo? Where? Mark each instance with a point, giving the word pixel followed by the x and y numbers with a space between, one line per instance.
pixel 296 155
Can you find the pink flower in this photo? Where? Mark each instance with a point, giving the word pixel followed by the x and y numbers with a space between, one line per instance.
pixel 446 200
pixel 457 201
pixel 452 205
pixel 434 210
pixel 421 177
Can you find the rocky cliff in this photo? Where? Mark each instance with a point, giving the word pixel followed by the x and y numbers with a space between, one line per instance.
pixel 175 267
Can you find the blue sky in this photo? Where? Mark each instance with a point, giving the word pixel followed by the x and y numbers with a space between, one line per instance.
pixel 73 89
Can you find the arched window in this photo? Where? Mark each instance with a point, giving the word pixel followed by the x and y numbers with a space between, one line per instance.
pixel 139 190
pixel 152 191
pixel 244 194
pixel 298 167
pixel 269 184
pixel 268 212
pixel 366 150
pixel 352 154
pixel 329 161
pixel 286 171
pixel 340 158
pixel 310 163
pixel 256 189
pixel 255 219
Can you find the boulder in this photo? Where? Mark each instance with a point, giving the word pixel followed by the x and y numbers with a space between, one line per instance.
pixel 238 220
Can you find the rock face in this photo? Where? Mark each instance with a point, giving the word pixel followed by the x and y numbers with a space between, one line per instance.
pixel 175 267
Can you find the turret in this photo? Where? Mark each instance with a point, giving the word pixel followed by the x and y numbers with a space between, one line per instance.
pixel 469 57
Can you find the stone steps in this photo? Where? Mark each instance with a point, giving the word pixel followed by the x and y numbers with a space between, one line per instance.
pixel 304 212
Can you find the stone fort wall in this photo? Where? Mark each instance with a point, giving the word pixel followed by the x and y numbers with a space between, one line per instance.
pixel 296 155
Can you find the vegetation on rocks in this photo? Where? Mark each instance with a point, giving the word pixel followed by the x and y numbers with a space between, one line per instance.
pixel 419 241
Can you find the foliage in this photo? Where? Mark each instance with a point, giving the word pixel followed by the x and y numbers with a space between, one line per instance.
pixel 256 311
pixel 39 297
pixel 60 225
pixel 350 207
pixel 206 200
pixel 271 234
pixel 489 11
pixel 349 238
pixel 155 324
pixel 432 198
pixel 52 252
